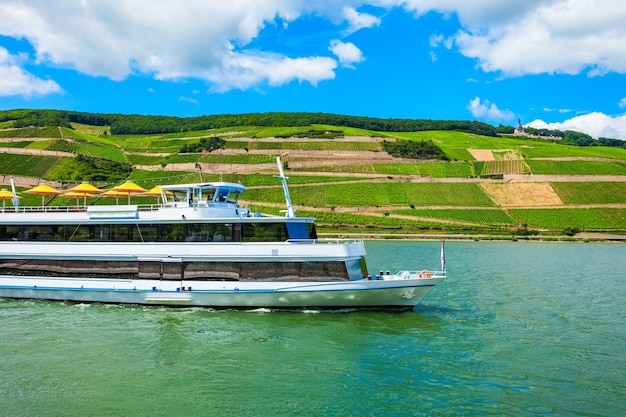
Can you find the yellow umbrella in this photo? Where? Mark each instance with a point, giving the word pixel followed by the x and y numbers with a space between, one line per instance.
pixel 77 195
pixel 114 193
pixel 6 195
pixel 43 190
pixel 86 188
pixel 153 192
pixel 129 188
pixel 156 192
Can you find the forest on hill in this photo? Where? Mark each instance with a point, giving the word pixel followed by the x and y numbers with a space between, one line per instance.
pixel 146 124
pixel 127 124
pixel 123 124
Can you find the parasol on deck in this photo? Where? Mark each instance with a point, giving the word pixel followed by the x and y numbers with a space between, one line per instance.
pixel 156 192
pixel 116 194
pixel 6 195
pixel 84 190
pixel 129 188
pixel 43 190
pixel 85 187
pixel 78 196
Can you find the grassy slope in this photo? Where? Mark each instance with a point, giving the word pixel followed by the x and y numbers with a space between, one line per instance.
pixel 347 200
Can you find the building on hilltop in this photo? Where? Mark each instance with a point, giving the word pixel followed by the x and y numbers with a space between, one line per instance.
pixel 520 131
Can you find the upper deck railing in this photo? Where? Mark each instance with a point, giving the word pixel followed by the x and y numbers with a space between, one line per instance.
pixel 69 209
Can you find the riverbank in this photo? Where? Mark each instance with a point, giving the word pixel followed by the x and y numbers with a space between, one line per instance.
pixel 581 237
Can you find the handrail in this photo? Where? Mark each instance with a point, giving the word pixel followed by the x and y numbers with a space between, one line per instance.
pixel 73 209
pixel 324 241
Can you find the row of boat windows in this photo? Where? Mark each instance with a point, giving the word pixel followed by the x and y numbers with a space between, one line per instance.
pixel 201 271
pixel 178 232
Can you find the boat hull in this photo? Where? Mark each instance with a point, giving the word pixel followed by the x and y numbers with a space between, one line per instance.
pixel 394 293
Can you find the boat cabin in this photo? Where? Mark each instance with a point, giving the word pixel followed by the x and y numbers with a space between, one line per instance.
pixel 201 195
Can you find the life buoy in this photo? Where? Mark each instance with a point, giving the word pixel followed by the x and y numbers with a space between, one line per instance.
pixel 424 274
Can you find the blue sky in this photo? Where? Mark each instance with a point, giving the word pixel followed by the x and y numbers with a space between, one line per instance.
pixel 552 63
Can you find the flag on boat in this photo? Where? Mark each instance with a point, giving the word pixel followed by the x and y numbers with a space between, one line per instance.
pixel 443 257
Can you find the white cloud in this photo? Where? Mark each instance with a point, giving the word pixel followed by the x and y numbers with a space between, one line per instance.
pixel 358 20
pixel 594 124
pixel 188 100
pixel 435 40
pixel 245 70
pixel 207 40
pixel 520 37
pixel 347 53
pixel 204 40
pixel 622 103
pixel 474 13
pixel 562 111
pixel 487 110
pixel 16 81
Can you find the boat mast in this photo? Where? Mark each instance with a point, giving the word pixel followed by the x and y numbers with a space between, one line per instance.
pixel 443 257
pixel 290 210
pixel 16 201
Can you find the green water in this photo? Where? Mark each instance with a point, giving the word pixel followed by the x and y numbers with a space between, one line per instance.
pixel 518 329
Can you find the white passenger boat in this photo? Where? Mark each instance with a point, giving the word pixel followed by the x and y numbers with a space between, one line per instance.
pixel 197 247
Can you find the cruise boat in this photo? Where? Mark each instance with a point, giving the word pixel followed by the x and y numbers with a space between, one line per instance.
pixel 196 247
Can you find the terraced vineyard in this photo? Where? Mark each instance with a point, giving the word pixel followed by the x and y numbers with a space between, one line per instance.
pixel 495 217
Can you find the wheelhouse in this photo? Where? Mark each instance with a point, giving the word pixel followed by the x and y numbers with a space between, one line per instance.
pixel 208 193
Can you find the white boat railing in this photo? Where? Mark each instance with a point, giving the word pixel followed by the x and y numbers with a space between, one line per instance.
pixel 403 275
pixel 336 241
pixel 70 209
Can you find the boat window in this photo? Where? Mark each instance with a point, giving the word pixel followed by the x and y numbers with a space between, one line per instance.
pixel 9 232
pixel 122 233
pixel 208 193
pixel 323 270
pixel 177 232
pixel 82 233
pixel 234 196
pixel 149 232
pixel 171 232
pixel 103 232
pixel 177 195
pixel 222 195
pixel 223 233
pixel 198 233
pixel 264 232
pixel 297 230
pixel 32 232
pixel 218 271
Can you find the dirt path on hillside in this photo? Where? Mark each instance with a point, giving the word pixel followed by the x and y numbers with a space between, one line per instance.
pixel 21 181
pixel 24 151
pixel 295 139
pixel 563 178
pixel 8 140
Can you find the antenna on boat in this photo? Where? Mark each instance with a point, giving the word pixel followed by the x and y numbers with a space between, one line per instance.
pixel 290 210
pixel 443 257
pixel 16 201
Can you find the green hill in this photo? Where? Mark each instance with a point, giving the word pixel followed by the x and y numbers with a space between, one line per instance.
pixel 352 177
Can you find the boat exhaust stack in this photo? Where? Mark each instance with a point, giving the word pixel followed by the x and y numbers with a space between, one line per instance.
pixel 290 211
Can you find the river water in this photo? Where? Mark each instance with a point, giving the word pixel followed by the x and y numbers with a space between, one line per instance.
pixel 518 329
